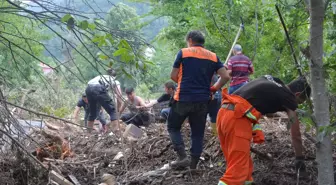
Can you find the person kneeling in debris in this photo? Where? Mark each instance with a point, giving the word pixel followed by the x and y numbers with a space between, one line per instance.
pixel 83 102
pixel 138 115
pixel 97 94
pixel 237 122
pixel 170 90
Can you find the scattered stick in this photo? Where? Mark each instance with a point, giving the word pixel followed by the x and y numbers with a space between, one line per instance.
pixel 267 120
pixel 65 162
pixel 59 178
pixel 310 138
pixel 52 127
pixel 266 156
pixel 162 151
pixel 55 168
pixel 74 179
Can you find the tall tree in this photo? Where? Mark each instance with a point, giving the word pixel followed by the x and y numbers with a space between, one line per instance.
pixel 320 98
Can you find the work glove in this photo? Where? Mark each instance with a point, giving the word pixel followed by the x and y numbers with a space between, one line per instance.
pixel 257 134
pixel 213 89
pixel 300 166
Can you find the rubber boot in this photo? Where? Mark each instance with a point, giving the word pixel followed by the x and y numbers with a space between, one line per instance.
pixel 182 161
pixel 194 162
pixel 300 167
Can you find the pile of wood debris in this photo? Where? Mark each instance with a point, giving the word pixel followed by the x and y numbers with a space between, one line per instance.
pixel 92 159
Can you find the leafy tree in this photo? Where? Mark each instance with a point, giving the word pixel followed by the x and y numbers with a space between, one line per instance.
pixel 120 46
pixel 122 17
pixel 20 45
pixel 220 21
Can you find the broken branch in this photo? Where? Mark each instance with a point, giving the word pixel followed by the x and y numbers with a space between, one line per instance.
pixel 39 113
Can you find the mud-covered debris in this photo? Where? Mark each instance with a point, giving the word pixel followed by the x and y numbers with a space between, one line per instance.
pixel 145 161
pixel 108 179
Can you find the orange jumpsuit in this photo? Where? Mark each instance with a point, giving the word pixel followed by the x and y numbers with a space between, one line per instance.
pixel 234 126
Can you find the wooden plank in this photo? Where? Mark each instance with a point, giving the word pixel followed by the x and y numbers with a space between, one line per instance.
pixel 59 178
pixel 74 179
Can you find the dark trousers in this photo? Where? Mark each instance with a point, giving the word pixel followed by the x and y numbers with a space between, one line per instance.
pixel 196 113
pixel 137 119
pixel 214 106
pixel 232 89
pixel 97 96
pixel 100 117
pixel 164 113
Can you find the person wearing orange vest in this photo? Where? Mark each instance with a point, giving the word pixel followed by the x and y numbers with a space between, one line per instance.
pixel 193 70
pixel 237 122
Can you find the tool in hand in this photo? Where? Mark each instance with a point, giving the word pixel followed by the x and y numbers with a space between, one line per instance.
pixel 241 28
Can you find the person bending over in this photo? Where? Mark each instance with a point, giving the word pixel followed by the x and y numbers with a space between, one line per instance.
pixel 83 102
pixel 97 94
pixel 237 122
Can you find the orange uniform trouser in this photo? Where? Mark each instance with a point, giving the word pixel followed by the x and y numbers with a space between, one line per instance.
pixel 235 136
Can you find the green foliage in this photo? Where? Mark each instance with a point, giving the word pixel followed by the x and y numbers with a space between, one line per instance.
pixel 143 91
pixel 66 18
pixel 119 47
pixel 162 62
pixel 84 24
pixel 20 47
pixel 59 112
pixel 70 21
pixel 124 51
pixel 118 42
pixel 102 56
pixel 305 117
pixel 122 17
pixel 263 39
pixel 62 112
pixel 92 26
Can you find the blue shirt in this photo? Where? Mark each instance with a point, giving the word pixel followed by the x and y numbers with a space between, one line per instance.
pixel 196 67
pixel 81 103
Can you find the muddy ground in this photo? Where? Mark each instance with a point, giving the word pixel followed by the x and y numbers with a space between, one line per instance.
pixel 94 156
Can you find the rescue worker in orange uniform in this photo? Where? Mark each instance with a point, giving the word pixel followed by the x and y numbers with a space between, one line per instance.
pixel 237 122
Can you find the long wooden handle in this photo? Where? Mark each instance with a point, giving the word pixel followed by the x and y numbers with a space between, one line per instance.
pixel 234 43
